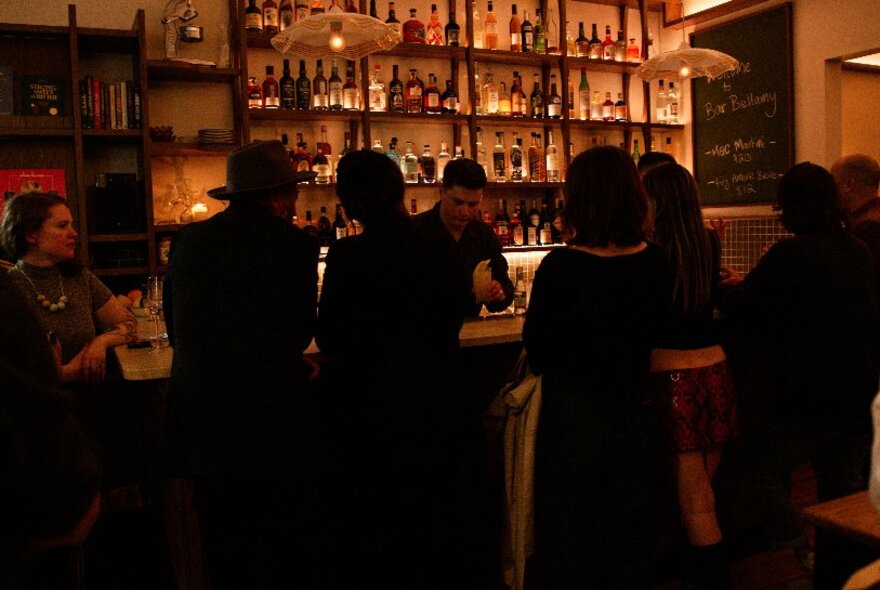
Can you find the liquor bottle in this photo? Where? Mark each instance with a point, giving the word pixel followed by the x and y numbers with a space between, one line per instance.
pixel 672 102
pixel 410 165
pixel 350 7
pixel 320 98
pixel 335 88
pixel 325 228
pixel 570 99
pixel 414 91
pixel 490 91
pixel 345 150
pixel 271 97
pixel 432 96
pixel 413 207
pixel 270 17
pixel 377 146
pixel 533 160
pixel 373 12
pixel 551 29
pixel 620 109
pixel 528 33
pixel 393 154
pixel 668 147
pixel 662 114
pixel 537 99
pixel 317 7
pixel 524 101
pixel 595 45
pixel 545 233
pixel 535 215
pixel 620 48
pixel 413 29
pixel 377 91
pixel 570 44
pixel 540 34
pixel 429 166
pixel 449 100
pixel 459 153
pixel 303 89
pixel 442 159
pixel 285 142
pixel 321 165
pixel 490 37
pixel 301 9
pixel 515 30
pixel 434 32
pixel 325 145
pixel 479 92
pixel 608 108
pixel 552 157
pixel 335 7
pixel 253 18
pixel 396 98
pixel 478 28
pixel 633 54
pixel 516 159
pixel 254 93
pixel 501 223
pixel 309 226
pixel 340 229
pixel 453 31
pixel 287 88
pixel 503 100
pixel 554 101
pixel 516 226
pixel 350 89
pixel 392 19
pixel 583 44
pixel 301 157
pixel 481 151
pixel 596 107
pixel 499 158
pixel 584 96
pixel 608 45
pixel 515 105
pixel 542 167
pixel 635 153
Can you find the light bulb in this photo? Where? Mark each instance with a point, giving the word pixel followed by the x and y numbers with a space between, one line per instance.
pixel 337 41
pixel 684 71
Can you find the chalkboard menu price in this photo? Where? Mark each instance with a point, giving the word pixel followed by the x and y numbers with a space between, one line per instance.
pixel 743 123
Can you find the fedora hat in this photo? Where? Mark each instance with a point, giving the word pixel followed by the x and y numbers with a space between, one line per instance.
pixel 257 167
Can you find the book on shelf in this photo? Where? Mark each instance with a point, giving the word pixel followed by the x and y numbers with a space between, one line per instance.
pixel 109 105
pixel 42 95
pixel 6 90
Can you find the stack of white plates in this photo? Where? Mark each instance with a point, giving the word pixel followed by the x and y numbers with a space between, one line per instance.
pixel 215 136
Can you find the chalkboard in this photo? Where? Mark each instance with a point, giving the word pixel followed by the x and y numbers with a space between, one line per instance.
pixel 743 121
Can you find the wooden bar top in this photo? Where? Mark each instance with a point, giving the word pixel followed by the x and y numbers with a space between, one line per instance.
pixel 851 516
pixel 140 364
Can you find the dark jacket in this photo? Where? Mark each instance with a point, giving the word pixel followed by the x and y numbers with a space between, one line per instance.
pixel 240 305
pixel 477 243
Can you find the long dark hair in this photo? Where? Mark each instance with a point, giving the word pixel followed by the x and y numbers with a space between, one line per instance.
pixel 809 201
pixel 24 214
pixel 606 200
pixel 680 231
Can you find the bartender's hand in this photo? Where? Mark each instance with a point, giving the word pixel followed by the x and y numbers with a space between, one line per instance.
pixel 730 277
pixel 495 292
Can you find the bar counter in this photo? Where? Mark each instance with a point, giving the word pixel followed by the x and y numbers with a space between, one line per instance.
pixel 140 364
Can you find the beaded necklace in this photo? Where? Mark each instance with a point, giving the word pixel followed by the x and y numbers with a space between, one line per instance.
pixel 44 301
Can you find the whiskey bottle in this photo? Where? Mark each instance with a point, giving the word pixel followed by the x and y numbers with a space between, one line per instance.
pixel 432 103
pixel 321 165
pixel 537 99
pixel 414 92
pixel 554 101
pixel 413 207
pixel 442 159
pixel 535 215
pixel 413 29
pixel 503 100
pixel 253 18
pixel 570 44
pixel 309 226
pixel 519 293
pixel 490 92
pixel 570 99
pixel 502 223
pixel 528 33
pixel 429 166
pixel 350 89
pixel 608 108
pixel 584 96
pixel 325 228
pixel 453 31
pixel 542 168
pixel 303 88
pixel 608 45
pixel 377 91
pixel 287 88
pixel 373 12
pixel 499 158
pixel 434 31
pixel 672 103
pixel 490 37
pixel 478 28
pixel 662 114
pixel 583 44
pixel 340 228
pixel 301 157
pixel 410 165
pixel 320 98
pixel 285 14
pixel 301 9
pixel 271 97
pixel 325 146
pixel 620 109
pixel 270 17
pixel 633 54
pixel 449 100
pixel 255 94
pixel 515 228
pixel 516 169
pixel 540 34
pixel 396 97
pixel 515 30
pixel 552 157
pixel 620 48
pixel 459 153
pixel 335 88
pixel 635 153
pixel 515 104
pixel 595 46
pixel 392 21
pixel 596 107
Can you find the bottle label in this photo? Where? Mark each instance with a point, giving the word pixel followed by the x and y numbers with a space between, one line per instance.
pixel 451 104
pixel 620 113
pixel 532 236
pixel 270 17
pixel 302 12
pixel 321 100
pixel 518 237
pixel 433 100
pixel 349 99
pixel 335 94
pixel 341 232
pixel 253 21
pixel 514 40
pixel 286 19
pixel 546 236
pixel 498 166
pixel 528 40
pixel 452 36
pixel 554 110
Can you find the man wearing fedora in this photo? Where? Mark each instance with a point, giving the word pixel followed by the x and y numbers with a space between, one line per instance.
pixel 240 303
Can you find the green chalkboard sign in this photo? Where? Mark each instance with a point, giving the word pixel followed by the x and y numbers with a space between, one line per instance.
pixel 743 120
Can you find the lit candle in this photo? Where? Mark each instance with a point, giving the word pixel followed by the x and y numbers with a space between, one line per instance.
pixel 199 212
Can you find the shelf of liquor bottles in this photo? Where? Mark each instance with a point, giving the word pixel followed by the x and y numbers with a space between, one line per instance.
pixel 440 119
pixel 509 121
pixel 516 57
pixel 161 70
pixel 304 115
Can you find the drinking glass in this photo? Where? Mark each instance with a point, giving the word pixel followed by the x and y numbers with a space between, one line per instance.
pixel 153 303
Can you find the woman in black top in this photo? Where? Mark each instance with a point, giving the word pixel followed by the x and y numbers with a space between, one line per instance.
pixel 689 368
pixel 595 311
pixel 812 300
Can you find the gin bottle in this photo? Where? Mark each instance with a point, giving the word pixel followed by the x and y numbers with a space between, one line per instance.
pixel 377 91
pixel 552 159
pixel 442 159
pixel 410 165
pixel 394 154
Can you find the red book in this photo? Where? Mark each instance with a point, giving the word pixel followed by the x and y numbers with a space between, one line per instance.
pixel 96 103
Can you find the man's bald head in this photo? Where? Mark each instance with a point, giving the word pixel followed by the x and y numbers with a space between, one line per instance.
pixel 858 179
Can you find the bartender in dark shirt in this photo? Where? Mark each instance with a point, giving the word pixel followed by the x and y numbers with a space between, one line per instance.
pixel 456 217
